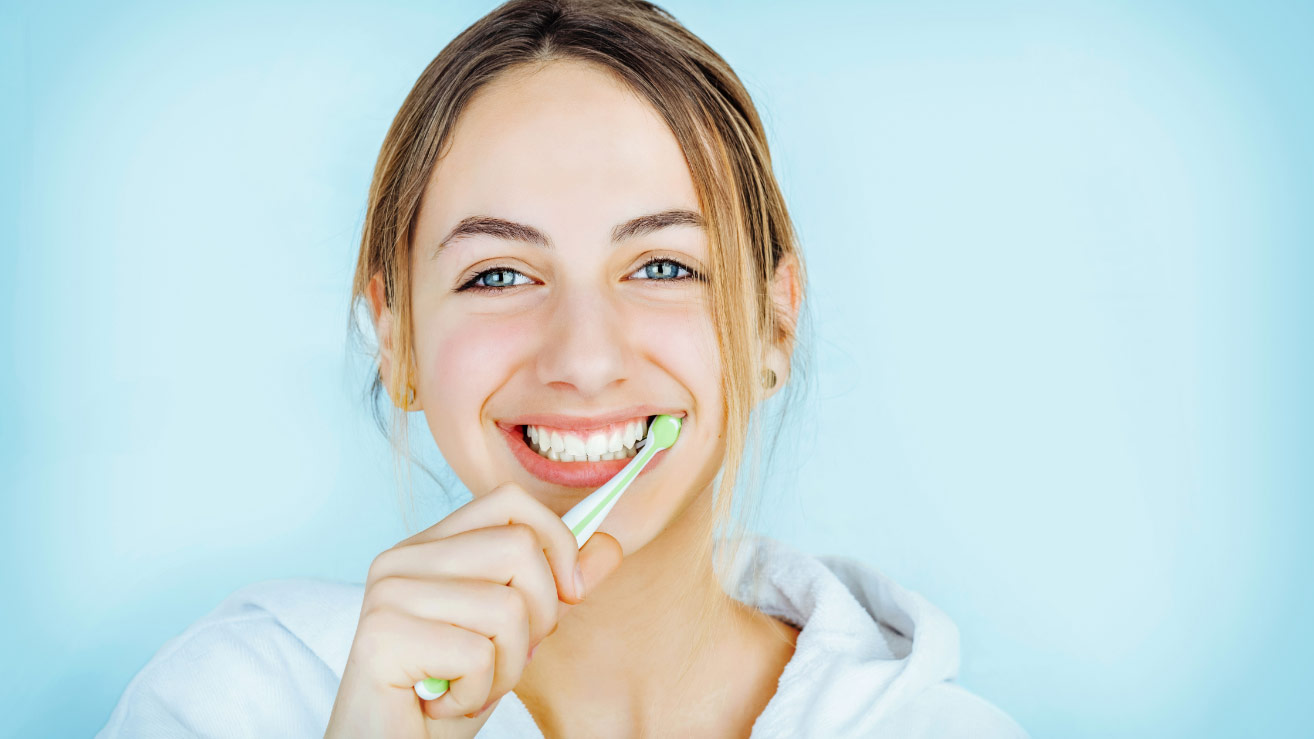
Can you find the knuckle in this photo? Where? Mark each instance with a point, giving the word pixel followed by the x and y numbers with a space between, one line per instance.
pixel 379 566
pixel 371 609
pixel 520 497
pixel 507 489
pixel 521 494
pixel 487 655
pixel 514 608
pixel 386 589
pixel 524 538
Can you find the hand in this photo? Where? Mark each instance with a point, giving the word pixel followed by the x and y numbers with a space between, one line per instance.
pixel 465 600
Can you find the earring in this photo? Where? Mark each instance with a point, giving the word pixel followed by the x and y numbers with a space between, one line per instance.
pixel 768 378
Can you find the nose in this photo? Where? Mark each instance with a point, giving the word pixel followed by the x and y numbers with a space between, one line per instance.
pixel 585 343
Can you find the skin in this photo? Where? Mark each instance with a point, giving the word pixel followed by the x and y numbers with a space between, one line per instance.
pixel 584 329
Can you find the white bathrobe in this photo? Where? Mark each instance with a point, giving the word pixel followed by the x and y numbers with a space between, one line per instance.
pixel 872 660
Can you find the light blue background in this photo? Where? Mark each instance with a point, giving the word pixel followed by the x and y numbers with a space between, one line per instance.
pixel 1060 254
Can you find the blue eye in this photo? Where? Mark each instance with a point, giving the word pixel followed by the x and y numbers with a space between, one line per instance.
pixel 495 279
pixel 666 270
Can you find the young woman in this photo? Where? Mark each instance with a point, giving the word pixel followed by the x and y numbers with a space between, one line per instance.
pixel 573 227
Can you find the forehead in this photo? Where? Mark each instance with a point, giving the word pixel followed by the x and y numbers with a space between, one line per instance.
pixel 562 145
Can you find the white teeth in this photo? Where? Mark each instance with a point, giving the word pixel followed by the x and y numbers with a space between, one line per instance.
pixel 598 447
pixel 573 445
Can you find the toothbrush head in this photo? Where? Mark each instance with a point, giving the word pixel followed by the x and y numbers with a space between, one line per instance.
pixel 664 431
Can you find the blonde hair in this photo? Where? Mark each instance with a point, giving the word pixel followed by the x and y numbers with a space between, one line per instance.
pixel 717 127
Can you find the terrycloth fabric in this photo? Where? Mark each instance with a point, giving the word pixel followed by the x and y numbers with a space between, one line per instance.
pixel 872 660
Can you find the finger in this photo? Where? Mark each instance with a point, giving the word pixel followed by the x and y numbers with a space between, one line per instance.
pixel 507 555
pixel 598 558
pixel 509 503
pixel 497 612
pixel 423 648
pixel 488 707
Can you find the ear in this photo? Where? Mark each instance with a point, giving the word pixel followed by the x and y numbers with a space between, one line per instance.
pixel 787 297
pixel 384 324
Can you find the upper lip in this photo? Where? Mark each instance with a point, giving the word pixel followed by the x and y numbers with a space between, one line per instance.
pixel 581 423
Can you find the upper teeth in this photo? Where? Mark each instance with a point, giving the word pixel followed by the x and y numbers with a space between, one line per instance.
pixel 613 442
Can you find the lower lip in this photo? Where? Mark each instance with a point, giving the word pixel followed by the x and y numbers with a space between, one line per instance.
pixel 568 474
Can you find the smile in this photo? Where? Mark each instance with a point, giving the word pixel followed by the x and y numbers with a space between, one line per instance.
pixel 615 441
pixel 580 452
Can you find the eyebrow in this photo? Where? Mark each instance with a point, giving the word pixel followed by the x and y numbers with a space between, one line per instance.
pixel 512 231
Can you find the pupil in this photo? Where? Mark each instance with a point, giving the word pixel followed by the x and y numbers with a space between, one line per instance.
pixel 659 266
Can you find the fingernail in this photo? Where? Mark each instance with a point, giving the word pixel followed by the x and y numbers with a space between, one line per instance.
pixel 579 582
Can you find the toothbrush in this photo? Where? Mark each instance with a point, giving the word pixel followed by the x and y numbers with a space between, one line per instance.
pixel 588 514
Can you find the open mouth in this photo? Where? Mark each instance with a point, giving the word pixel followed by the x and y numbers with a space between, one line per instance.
pixel 616 441
pixel 579 458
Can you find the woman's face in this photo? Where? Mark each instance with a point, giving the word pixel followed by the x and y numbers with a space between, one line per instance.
pixel 535 305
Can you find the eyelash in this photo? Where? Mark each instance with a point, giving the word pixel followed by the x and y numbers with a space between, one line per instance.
pixel 471 286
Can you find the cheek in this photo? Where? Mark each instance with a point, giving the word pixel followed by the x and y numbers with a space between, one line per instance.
pixel 682 341
pixel 467 357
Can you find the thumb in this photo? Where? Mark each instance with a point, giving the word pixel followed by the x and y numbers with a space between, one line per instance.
pixel 598 558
